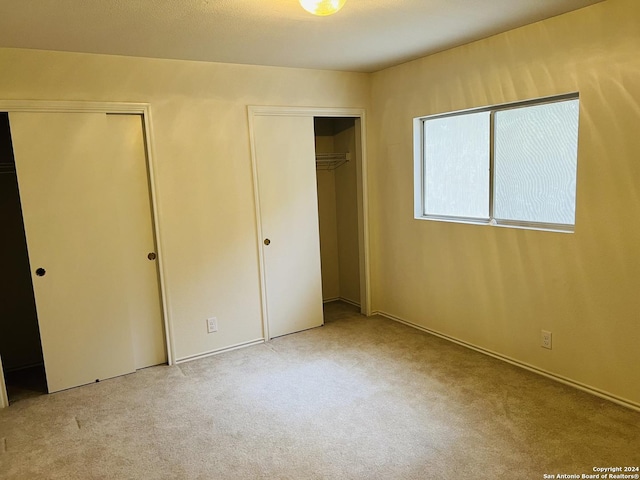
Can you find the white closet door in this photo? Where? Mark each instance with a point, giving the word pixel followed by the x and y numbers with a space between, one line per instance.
pixel 285 158
pixel 70 174
pixel 136 226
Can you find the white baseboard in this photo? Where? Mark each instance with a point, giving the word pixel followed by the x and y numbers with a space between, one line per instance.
pixel 219 351
pixel 351 302
pixel 329 300
pixel 342 299
pixel 558 378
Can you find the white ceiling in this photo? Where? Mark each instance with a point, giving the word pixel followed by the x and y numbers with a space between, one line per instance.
pixel 366 35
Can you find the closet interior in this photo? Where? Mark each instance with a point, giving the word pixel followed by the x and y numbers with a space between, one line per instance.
pixel 20 346
pixel 337 176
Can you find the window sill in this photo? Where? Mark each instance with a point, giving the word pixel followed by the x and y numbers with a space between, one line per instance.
pixel 544 227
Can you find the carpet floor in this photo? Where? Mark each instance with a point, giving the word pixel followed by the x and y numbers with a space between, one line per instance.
pixel 360 398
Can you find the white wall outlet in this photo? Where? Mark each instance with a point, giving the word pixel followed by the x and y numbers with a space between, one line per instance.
pixel 545 339
pixel 212 324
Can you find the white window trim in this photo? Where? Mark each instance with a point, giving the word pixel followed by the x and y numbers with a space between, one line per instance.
pixel 418 169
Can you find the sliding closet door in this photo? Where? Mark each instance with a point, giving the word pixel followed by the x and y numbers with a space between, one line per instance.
pixel 69 172
pixel 285 158
pixel 138 252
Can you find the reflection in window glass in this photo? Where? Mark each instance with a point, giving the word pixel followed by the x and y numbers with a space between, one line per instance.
pixel 456 166
pixel 535 163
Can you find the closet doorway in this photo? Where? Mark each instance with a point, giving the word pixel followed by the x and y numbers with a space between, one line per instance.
pixel 86 192
pixel 20 345
pixel 338 159
pixel 285 154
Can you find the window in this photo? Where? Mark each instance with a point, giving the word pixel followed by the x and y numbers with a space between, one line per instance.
pixel 508 165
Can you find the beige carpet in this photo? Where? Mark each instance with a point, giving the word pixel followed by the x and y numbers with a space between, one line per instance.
pixel 356 399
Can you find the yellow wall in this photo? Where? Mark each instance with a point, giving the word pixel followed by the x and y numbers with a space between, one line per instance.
pixel 203 166
pixel 496 287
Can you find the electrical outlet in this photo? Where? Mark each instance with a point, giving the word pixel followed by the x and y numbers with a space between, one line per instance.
pixel 545 339
pixel 212 324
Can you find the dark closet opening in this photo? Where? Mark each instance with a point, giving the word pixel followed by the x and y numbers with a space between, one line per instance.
pixel 20 345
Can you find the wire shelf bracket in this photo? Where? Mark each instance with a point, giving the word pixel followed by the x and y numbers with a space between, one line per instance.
pixel 331 161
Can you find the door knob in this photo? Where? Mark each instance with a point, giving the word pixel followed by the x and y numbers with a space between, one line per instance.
pixel 152 256
pixel 41 272
pixel 267 241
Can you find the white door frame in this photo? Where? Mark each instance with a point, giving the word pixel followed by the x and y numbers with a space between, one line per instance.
pixel 363 221
pixel 4 399
pixel 143 109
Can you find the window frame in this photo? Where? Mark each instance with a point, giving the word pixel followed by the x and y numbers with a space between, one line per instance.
pixel 419 167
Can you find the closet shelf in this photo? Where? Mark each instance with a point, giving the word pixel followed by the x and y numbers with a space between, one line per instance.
pixel 331 161
pixel 7 168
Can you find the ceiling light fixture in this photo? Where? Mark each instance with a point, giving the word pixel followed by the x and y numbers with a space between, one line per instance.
pixel 322 7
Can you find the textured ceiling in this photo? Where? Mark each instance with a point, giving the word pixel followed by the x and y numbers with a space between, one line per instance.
pixel 366 35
